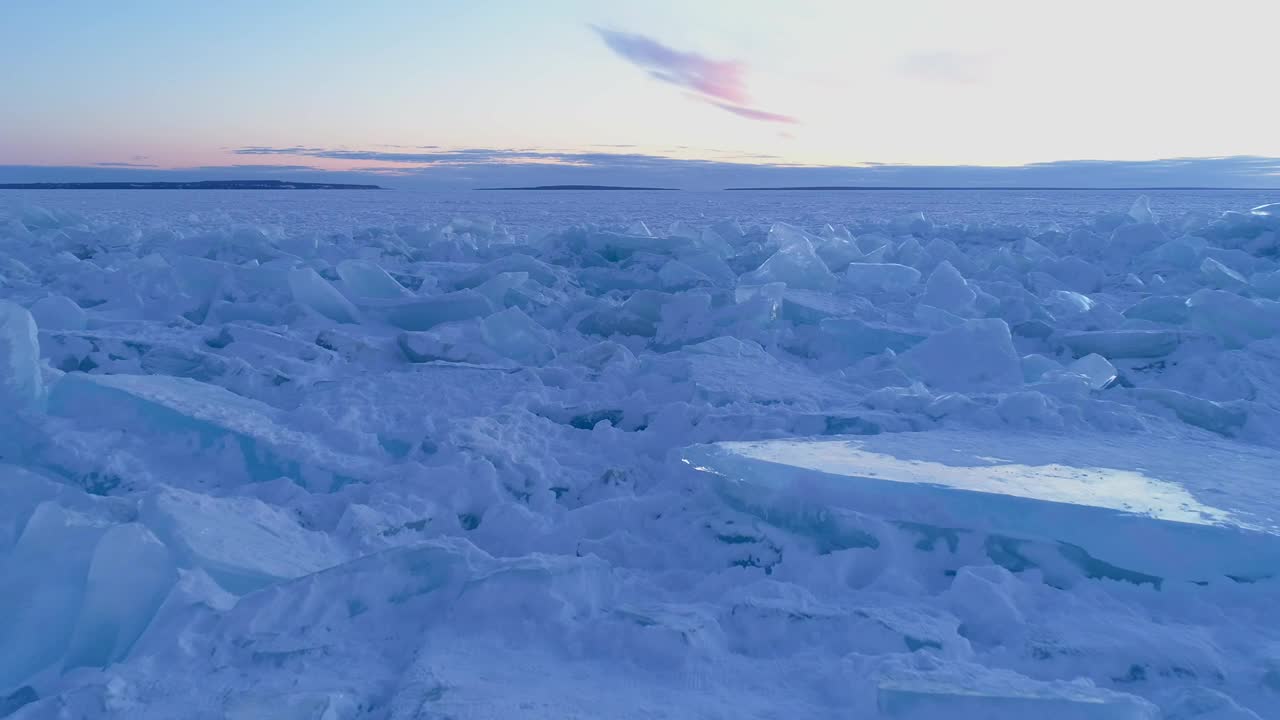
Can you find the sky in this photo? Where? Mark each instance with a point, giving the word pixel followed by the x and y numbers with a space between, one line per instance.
pixel 700 94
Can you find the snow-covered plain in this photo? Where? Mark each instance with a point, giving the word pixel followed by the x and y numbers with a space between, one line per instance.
pixel 398 455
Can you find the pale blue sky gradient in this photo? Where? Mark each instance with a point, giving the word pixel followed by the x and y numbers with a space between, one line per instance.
pixel 696 94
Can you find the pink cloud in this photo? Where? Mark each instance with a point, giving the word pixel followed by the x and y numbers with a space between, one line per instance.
pixel 718 82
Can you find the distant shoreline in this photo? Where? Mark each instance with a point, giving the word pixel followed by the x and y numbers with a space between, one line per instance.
pixel 994 187
pixel 580 187
pixel 197 185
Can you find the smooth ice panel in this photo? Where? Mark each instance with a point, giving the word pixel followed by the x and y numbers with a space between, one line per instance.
pixel 947 289
pixel 44 583
pixel 129 576
pixel 881 277
pixel 316 293
pixel 1096 370
pixel 1192 510
pixel 21 384
pixel 1122 343
pixel 168 406
pixel 242 543
pixel 797 265
pixel 58 312
pixel 1001 695
pixel 425 313
pixel 1235 320
pixel 365 279
pixel 978 354
pixel 166 403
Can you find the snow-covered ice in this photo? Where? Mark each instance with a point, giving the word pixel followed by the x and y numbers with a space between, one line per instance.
pixel 628 455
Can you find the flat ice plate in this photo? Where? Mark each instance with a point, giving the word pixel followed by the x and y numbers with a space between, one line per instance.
pixel 1192 509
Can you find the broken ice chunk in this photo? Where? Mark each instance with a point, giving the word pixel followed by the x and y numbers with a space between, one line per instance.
pixel 506 336
pixel 1220 276
pixel 130 574
pixel 795 264
pixel 915 223
pixel 515 335
pixel 873 278
pixel 226 426
pixel 1235 320
pixel 805 307
pixel 366 280
pixel 1130 241
pixel 1266 284
pixel 44 578
pixel 969 691
pixel 1075 273
pixel 1160 308
pixel 675 275
pixel 1036 365
pixel 974 356
pixel 58 312
pixel 315 292
pixel 1122 343
pixel 242 543
pixel 21 381
pixel 427 312
pixel 855 339
pixel 1067 304
pixel 1099 373
pixel 947 289
pixel 1140 211
pixel 1224 418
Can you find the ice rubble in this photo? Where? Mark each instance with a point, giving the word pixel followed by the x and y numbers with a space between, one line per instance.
pixel 434 469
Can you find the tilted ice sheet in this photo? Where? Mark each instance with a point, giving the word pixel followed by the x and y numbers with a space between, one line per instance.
pixel 1139 503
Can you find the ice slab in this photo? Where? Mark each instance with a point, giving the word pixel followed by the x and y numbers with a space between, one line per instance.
pixel 1122 343
pixel 316 293
pixel 45 586
pixel 1095 369
pixel 881 277
pixel 242 543
pixel 1002 695
pixel 21 382
pixel 427 312
pixel 162 406
pixel 58 312
pixel 1235 320
pixel 128 578
pixel 947 289
pixel 978 354
pixel 368 280
pixel 797 265
pixel 1192 510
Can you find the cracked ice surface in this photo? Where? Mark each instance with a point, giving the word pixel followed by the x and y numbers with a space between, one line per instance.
pixel 399 455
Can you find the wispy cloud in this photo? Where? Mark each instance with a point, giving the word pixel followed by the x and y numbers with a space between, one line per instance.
pixel 718 82
pixel 494 156
pixel 946 66
pixel 124 165
pixel 716 78
pixel 755 114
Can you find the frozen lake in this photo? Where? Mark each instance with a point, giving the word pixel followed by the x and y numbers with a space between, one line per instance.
pixel 402 455
pixel 323 210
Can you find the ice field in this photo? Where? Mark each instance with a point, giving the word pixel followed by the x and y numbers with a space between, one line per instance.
pixel 970 455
